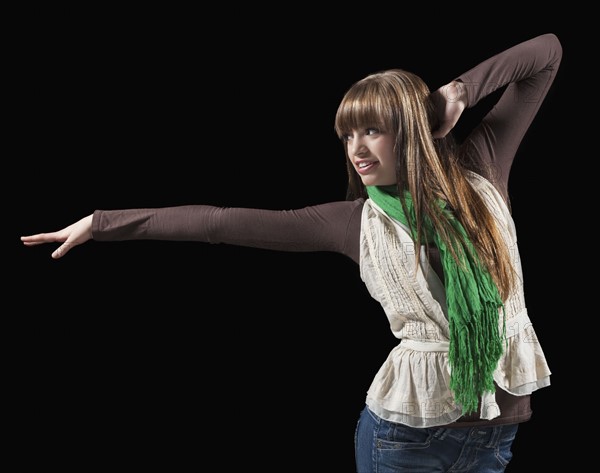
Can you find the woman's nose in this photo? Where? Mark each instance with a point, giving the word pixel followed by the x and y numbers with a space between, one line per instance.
pixel 357 146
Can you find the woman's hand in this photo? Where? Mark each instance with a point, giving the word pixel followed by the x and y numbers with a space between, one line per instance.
pixel 449 100
pixel 71 236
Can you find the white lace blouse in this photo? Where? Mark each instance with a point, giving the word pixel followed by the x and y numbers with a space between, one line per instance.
pixel 412 385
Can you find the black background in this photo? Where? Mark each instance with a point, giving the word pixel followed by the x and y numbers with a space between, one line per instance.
pixel 136 354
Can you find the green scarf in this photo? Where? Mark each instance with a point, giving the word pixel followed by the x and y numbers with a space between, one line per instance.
pixel 473 303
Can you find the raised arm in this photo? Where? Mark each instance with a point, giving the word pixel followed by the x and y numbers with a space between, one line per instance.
pixel 527 70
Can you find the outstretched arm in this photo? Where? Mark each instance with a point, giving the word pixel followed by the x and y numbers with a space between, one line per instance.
pixel 71 236
pixel 332 226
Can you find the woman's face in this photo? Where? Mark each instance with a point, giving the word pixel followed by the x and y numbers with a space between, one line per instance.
pixel 372 154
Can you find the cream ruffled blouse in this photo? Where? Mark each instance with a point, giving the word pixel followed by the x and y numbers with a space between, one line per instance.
pixel 412 385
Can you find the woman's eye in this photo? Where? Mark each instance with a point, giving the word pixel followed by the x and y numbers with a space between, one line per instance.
pixel 372 131
pixel 346 137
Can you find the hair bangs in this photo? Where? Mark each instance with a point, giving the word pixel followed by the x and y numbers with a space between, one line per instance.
pixel 365 106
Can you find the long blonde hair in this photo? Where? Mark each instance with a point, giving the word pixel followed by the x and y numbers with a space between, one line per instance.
pixel 432 170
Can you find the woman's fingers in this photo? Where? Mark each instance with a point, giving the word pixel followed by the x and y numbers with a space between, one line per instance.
pixel 62 250
pixel 39 238
pixel 73 235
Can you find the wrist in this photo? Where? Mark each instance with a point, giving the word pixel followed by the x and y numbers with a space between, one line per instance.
pixel 455 92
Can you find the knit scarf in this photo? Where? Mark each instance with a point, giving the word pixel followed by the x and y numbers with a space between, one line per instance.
pixel 472 298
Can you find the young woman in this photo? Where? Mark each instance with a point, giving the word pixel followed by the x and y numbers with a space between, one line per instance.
pixel 428 223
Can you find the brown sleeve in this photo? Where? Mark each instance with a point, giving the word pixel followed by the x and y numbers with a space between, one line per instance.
pixel 527 69
pixel 331 227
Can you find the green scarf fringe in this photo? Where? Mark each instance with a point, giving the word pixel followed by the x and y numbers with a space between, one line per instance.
pixel 472 298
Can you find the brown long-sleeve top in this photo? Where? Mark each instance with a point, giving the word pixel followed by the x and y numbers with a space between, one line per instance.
pixel 527 70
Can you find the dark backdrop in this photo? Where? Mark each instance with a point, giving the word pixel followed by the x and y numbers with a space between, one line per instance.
pixel 164 353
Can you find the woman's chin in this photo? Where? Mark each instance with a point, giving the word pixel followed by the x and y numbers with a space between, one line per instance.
pixel 373 181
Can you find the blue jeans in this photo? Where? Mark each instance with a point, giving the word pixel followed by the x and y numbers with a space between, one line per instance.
pixel 386 447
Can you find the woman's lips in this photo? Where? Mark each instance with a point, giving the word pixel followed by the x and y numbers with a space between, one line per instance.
pixel 365 168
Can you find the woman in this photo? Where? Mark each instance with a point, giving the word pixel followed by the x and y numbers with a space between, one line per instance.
pixel 428 223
